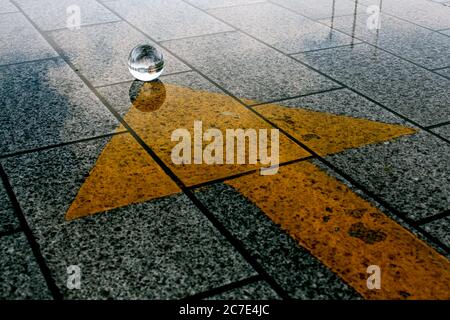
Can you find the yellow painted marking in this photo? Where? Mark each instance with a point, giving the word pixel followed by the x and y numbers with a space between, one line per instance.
pixel 123 174
pixel 347 233
pixel 120 177
pixel 183 106
pixel 327 133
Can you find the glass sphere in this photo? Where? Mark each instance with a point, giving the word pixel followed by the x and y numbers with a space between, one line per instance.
pixel 146 63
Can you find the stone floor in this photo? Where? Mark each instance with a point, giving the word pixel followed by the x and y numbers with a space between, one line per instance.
pixel 87 178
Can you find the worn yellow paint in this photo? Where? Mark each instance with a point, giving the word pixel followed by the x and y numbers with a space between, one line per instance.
pixel 183 106
pixel 123 174
pixel 347 233
pixel 327 133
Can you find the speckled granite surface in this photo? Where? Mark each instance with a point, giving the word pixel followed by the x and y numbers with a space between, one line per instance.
pixel 85 163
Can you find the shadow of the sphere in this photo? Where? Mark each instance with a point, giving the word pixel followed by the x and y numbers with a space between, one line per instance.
pixel 147 96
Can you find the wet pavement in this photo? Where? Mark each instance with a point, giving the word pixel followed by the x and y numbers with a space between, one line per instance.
pixel 86 152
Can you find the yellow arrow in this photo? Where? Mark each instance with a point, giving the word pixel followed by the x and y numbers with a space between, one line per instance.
pixel 322 214
pixel 123 173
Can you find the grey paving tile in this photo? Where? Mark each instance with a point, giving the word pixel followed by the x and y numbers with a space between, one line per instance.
pixel 210 4
pixel 50 15
pixel 440 229
pixel 318 9
pixel 425 13
pixel 445 72
pixel 20 42
pixel 164 248
pixel 119 95
pixel 51 104
pixel 8 219
pixel 164 20
pixel 446 32
pixel 247 68
pixel 281 28
pixel 404 87
pixel 299 273
pixel 443 131
pixel 20 276
pixel 259 290
pixel 100 52
pixel 419 45
pixel 6 7
pixel 410 173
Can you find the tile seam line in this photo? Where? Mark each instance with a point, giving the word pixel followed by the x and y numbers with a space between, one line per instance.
pixel 400 215
pixel 332 79
pixel 297 97
pixel 322 49
pixel 9 12
pixel 132 80
pixel 6 65
pixel 438 125
pixel 235 243
pixel 59 145
pixel 196 36
pixel 225 288
pixel 441 68
pixel 242 174
pixel 436 217
pixel 82 26
pixel 32 242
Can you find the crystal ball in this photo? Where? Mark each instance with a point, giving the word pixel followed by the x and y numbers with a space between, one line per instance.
pixel 146 63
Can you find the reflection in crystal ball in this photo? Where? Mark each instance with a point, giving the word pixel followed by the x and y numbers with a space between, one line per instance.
pixel 146 63
pixel 147 96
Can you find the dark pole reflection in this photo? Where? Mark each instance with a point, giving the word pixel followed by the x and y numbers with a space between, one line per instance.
pixel 332 18
pixel 354 23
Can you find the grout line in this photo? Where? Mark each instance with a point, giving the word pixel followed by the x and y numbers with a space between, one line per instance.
pixel 329 48
pixel 224 288
pixel 196 36
pixel 132 80
pixel 55 58
pixel 438 216
pixel 9 12
pixel 19 153
pixel 438 125
pixel 442 68
pixel 10 232
pixel 242 174
pixel 296 97
pixel 51 284
pixel 82 26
